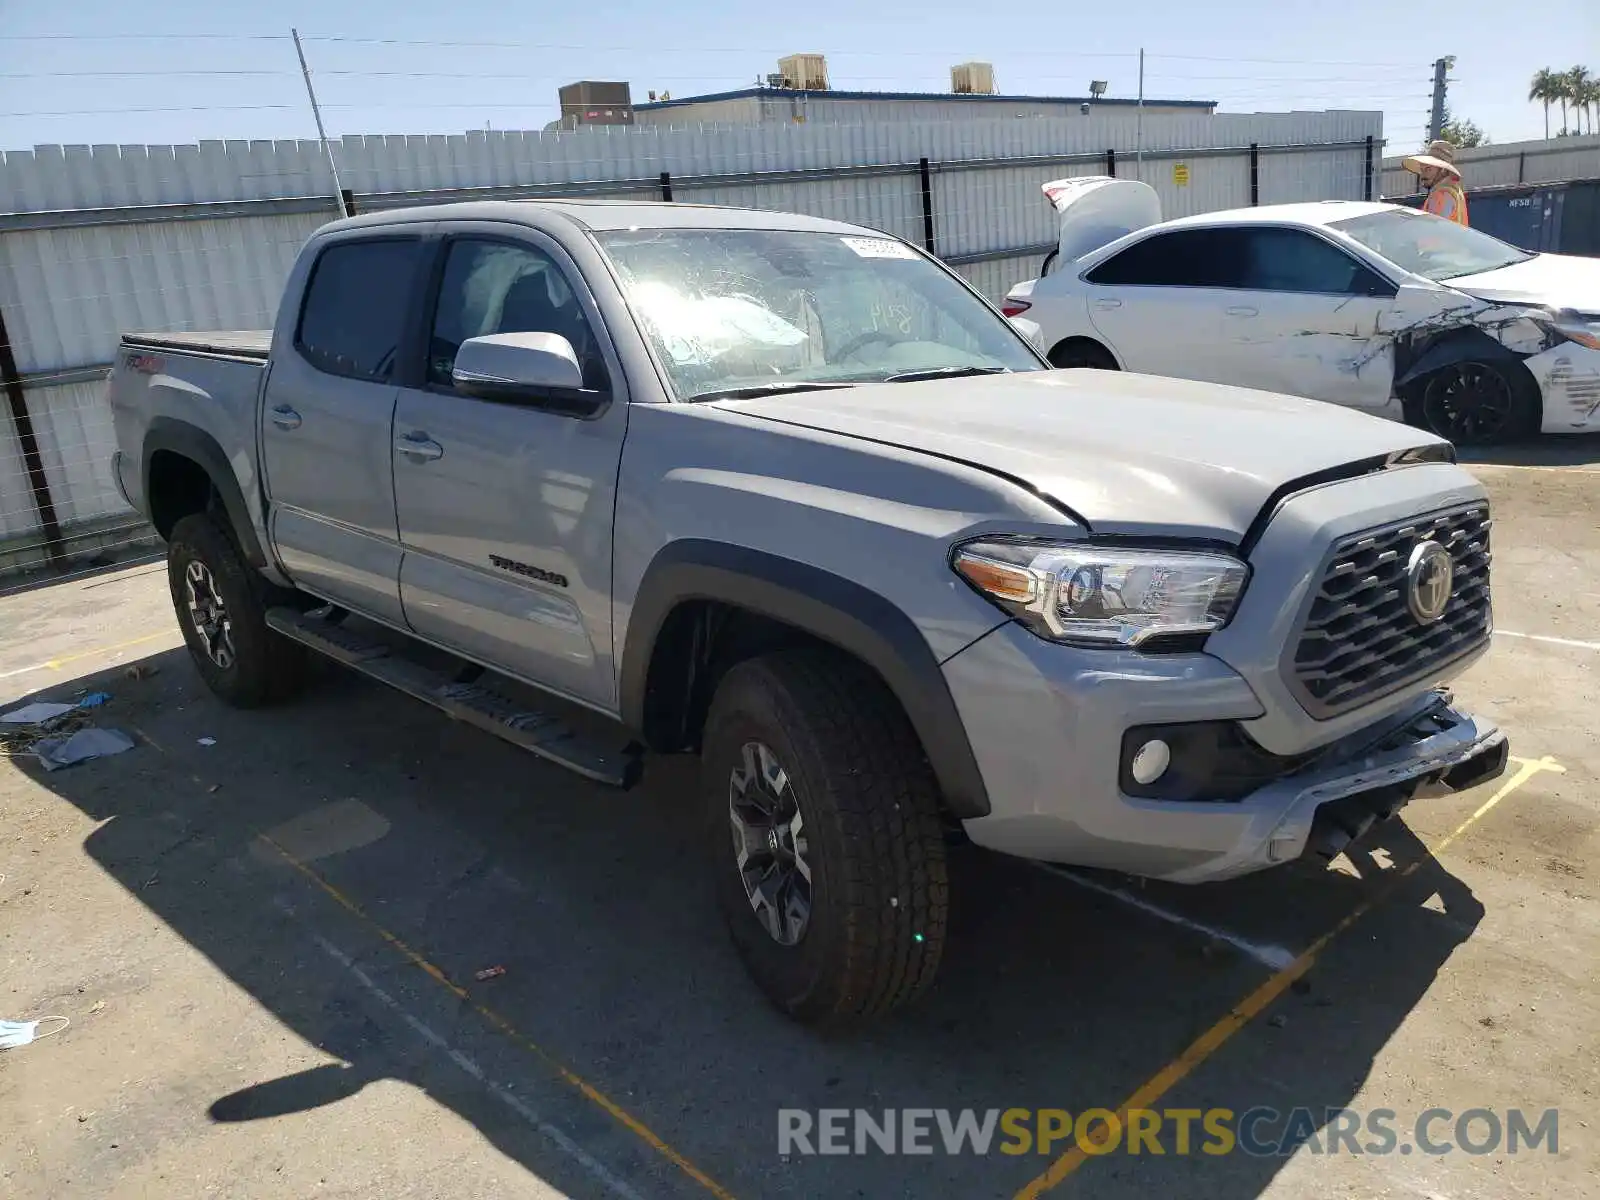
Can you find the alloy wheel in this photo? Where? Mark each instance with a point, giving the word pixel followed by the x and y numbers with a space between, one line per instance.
pixel 208 614
pixel 769 844
pixel 1468 403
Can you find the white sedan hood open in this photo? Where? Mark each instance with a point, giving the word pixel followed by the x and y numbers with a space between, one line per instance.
pixel 1097 209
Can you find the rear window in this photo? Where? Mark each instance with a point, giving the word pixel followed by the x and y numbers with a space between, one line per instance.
pixel 355 307
pixel 1204 258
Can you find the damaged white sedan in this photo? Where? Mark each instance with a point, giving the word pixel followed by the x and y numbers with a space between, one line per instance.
pixel 1368 305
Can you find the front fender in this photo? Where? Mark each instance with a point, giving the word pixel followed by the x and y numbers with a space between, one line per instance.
pixel 830 607
pixel 1416 357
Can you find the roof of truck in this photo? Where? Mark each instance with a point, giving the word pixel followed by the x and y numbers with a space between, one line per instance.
pixel 602 213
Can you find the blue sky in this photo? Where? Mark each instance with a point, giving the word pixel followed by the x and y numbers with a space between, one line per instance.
pixel 410 68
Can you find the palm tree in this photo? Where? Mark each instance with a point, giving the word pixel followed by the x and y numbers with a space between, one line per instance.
pixel 1578 82
pixel 1543 90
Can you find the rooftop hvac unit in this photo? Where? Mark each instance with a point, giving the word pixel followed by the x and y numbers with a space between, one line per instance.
pixel 972 79
pixel 804 72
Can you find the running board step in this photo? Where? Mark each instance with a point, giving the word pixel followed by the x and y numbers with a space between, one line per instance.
pixel 473 703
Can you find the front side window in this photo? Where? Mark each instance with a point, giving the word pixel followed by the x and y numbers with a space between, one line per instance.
pixel 753 308
pixel 497 287
pixel 1292 260
pixel 1429 246
pixel 355 307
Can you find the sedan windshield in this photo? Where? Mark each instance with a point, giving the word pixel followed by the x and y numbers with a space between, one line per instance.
pixel 1429 246
pixel 747 311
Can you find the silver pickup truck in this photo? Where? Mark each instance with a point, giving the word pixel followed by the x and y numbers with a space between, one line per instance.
pixel 606 479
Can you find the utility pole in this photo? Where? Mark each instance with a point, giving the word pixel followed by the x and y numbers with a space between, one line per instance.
pixel 322 135
pixel 1138 125
pixel 1441 72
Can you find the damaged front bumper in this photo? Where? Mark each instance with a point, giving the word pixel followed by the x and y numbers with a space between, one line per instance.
pixel 1568 376
pixel 1317 812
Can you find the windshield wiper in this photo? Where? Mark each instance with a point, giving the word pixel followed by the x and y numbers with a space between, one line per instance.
pixel 944 373
pixel 752 390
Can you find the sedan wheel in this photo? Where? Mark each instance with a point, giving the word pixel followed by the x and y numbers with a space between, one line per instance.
pixel 1470 403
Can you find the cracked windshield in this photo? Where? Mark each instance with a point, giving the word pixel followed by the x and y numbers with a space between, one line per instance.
pixel 747 312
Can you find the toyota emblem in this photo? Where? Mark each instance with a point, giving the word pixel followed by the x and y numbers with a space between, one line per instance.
pixel 1429 577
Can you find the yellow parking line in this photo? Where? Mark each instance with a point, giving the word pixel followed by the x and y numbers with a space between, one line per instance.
pixel 635 1126
pixel 55 664
pixel 1209 1042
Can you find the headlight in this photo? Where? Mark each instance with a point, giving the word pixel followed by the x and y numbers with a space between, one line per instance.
pixel 1579 327
pixel 1093 595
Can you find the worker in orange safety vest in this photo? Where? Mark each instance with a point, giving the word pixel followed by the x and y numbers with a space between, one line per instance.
pixel 1437 169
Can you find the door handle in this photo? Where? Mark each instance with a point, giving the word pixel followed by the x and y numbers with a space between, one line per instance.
pixel 1241 310
pixel 1108 303
pixel 419 447
pixel 285 417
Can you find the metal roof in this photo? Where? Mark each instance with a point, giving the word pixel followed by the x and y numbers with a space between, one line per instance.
pixel 973 97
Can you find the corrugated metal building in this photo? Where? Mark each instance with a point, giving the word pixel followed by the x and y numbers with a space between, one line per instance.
pixel 1542 161
pixel 97 240
pixel 782 106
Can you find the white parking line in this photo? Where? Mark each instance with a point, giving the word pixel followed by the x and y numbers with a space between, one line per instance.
pixel 1554 641
pixel 515 1103
pixel 1560 470
pixel 1275 957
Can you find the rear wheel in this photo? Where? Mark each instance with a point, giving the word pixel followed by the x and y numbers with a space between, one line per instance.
pixel 221 604
pixel 1476 403
pixel 824 834
pixel 1082 352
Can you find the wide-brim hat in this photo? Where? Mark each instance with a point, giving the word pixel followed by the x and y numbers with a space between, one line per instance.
pixel 1440 154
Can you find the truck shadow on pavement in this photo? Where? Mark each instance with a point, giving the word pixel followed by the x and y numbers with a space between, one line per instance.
pixel 596 905
pixel 1549 450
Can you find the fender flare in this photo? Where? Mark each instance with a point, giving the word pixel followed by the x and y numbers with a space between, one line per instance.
pixel 830 607
pixel 195 444
pixel 1424 355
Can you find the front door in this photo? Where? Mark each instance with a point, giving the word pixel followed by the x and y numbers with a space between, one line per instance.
pixel 325 424
pixel 1308 319
pixel 505 509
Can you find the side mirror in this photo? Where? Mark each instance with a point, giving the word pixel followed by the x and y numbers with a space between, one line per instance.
pixel 526 368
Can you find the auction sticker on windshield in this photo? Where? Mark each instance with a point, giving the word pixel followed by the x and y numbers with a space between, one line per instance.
pixel 878 247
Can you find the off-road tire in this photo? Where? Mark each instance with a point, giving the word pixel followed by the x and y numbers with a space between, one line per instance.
pixel 266 666
pixel 879 891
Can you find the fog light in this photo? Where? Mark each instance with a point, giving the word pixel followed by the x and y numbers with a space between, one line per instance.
pixel 1151 761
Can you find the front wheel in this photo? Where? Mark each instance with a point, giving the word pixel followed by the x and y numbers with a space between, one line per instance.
pixel 221 605
pixel 823 828
pixel 1476 403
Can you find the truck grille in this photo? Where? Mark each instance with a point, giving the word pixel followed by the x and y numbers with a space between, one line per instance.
pixel 1360 640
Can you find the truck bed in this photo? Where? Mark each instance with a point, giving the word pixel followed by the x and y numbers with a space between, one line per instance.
pixel 229 343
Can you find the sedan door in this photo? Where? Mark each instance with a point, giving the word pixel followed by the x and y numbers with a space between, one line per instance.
pixel 505 509
pixel 1158 304
pixel 1307 318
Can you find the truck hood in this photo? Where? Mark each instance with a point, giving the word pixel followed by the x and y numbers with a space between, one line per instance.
pixel 1548 280
pixel 1129 454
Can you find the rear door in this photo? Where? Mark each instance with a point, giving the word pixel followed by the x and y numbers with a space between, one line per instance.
pixel 505 509
pixel 1307 318
pixel 326 418
pixel 1158 304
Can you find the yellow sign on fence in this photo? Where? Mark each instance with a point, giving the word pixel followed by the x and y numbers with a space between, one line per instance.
pixel 1180 174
